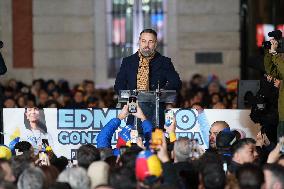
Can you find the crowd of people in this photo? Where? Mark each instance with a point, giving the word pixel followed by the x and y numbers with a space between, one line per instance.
pixel 155 160
pixel 209 93
pixel 146 158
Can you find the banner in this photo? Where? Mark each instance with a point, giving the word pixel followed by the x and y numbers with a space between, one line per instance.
pixel 67 129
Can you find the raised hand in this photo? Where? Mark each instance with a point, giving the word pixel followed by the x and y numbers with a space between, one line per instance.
pixel 162 152
pixel 277 83
pixel 139 114
pixel 172 127
pixel 124 113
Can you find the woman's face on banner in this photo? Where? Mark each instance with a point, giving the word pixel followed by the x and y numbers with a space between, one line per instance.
pixel 32 114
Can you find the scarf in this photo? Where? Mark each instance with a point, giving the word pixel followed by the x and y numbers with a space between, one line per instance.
pixel 143 72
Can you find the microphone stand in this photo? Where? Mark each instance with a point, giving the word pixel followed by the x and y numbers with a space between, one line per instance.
pixel 157 112
pixel 135 93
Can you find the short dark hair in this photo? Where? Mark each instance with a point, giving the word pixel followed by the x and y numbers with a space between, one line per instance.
pixel 213 176
pixel 20 163
pixel 149 30
pixel 60 163
pixel 87 154
pixel 23 146
pixel 128 158
pixel 241 143
pixel 250 176
pixel 277 171
pixel 122 177
pixel 88 82
pixel 92 99
pixel 224 123
pixel 60 185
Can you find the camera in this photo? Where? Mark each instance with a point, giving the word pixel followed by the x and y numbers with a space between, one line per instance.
pixel 277 34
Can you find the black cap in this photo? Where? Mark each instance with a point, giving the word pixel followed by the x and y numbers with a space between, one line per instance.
pixel 277 34
pixel 225 139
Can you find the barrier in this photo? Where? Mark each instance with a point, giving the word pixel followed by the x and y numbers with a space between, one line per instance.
pixel 68 129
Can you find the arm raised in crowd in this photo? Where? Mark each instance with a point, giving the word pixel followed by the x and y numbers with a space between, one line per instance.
pixel 105 135
pixel 169 174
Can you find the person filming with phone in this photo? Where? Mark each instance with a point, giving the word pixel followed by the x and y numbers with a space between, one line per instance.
pixel 274 67
pixel 128 135
pixel 147 70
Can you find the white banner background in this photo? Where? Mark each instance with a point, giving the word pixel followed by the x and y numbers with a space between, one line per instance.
pixel 57 121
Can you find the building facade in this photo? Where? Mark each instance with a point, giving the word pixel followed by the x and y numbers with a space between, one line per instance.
pixel 68 39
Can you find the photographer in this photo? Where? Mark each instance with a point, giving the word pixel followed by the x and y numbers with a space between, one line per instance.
pixel 274 67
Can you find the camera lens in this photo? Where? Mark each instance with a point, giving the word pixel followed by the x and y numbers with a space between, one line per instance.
pixel 266 45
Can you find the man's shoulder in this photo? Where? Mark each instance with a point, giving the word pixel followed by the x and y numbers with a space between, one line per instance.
pixel 167 59
pixel 158 57
pixel 162 58
pixel 131 57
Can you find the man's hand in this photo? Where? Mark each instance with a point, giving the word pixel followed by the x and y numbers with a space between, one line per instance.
pixel 269 78
pixel 124 113
pixel 139 114
pixel 259 139
pixel 265 140
pixel 139 143
pixel 162 152
pixel 274 154
pixel 262 139
pixel 277 83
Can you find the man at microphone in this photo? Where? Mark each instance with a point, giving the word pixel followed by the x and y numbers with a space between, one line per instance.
pixel 146 69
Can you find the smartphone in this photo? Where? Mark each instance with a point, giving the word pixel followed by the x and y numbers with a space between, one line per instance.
pixel 45 143
pixel 132 104
pixel 169 117
pixel 133 136
pixel 43 158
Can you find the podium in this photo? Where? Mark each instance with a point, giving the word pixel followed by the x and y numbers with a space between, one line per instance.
pixel 155 97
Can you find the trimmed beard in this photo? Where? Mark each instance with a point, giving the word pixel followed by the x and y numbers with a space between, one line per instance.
pixel 147 53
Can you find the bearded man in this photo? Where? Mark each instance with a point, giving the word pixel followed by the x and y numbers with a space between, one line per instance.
pixel 146 69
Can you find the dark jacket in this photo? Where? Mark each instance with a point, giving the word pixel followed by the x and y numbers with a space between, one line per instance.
pixel 162 71
pixel 274 66
pixel 3 68
pixel 234 167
